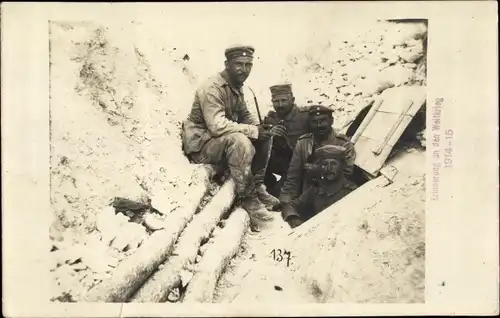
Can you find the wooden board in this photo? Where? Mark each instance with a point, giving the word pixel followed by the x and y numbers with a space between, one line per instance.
pixel 384 125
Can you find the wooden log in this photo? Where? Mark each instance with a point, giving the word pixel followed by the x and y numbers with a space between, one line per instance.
pixel 158 286
pixel 202 286
pixel 134 270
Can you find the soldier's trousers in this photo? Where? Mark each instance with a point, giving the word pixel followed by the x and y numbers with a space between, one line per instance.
pixel 247 160
pixel 278 164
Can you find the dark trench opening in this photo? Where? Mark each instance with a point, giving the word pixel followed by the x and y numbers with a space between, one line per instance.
pixel 357 121
pixel 359 176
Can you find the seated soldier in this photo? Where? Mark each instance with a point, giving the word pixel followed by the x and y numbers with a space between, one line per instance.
pixel 290 122
pixel 220 130
pixel 322 134
pixel 328 185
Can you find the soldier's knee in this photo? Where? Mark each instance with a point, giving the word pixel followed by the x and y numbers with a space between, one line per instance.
pixel 241 142
pixel 240 147
pixel 237 138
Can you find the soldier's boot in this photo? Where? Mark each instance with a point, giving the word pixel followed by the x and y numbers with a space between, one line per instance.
pixel 245 189
pixel 267 199
pixel 256 209
pixel 242 180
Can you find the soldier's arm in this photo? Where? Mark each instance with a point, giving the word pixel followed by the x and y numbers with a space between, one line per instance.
pixel 292 209
pixel 293 183
pixel 246 116
pixel 269 120
pixel 215 116
pixel 349 158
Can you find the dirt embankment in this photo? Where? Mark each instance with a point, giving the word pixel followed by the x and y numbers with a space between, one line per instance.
pixel 111 136
pixel 116 107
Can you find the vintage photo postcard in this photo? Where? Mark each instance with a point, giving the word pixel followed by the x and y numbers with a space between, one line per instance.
pixel 249 159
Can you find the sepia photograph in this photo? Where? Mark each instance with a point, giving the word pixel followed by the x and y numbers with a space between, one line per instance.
pixel 249 159
pixel 288 170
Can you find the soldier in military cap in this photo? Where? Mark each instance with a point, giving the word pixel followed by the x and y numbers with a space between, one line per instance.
pixel 327 185
pixel 322 134
pixel 221 129
pixel 289 122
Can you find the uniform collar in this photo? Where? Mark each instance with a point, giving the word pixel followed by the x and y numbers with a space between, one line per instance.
pixel 292 113
pixel 333 188
pixel 225 77
pixel 331 136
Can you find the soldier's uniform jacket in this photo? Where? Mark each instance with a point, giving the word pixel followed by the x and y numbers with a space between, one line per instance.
pixel 296 182
pixel 315 199
pixel 296 123
pixel 218 109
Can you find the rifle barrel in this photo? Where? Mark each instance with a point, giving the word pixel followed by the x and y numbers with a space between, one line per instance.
pixel 256 104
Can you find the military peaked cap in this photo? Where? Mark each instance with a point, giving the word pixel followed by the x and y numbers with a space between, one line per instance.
pixel 239 50
pixel 319 109
pixel 281 89
pixel 330 152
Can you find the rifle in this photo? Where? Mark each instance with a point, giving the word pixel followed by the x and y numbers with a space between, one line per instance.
pixel 256 104
pixel 281 122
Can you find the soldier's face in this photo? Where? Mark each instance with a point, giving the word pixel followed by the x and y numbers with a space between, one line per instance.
pixel 283 104
pixel 321 124
pixel 239 68
pixel 331 168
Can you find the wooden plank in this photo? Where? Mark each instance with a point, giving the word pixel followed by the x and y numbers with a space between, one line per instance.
pixel 399 131
pixel 364 157
pixel 394 128
pixel 389 172
pixel 380 126
pixel 397 98
pixel 387 124
pixel 372 163
pixel 366 120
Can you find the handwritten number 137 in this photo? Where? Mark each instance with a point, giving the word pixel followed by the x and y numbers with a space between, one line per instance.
pixel 278 255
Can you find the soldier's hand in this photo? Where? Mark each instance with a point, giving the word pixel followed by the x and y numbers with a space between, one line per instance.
pixel 312 168
pixel 258 179
pixel 279 130
pixel 264 133
pixel 294 221
pixel 279 206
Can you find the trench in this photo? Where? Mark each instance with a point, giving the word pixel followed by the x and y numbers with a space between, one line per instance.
pixel 189 260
